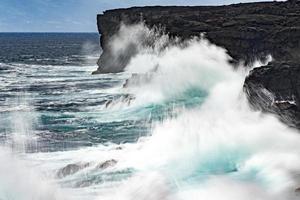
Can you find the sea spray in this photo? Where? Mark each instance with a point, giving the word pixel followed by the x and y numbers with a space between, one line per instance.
pixel 222 143
pixel 37 83
pixel 18 180
pixel 22 125
pixel 198 66
pixel 130 41
pixel 220 149
pixel 217 149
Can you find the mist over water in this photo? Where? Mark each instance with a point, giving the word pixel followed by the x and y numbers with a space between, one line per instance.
pixel 175 125
pixel 220 145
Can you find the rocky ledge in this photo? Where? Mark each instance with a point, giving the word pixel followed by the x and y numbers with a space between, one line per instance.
pixel 275 88
pixel 248 31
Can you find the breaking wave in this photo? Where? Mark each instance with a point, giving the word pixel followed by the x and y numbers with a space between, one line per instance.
pixel 220 149
pixel 215 147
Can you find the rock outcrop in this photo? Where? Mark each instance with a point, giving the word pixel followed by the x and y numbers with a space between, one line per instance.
pixel 71 169
pixel 107 164
pixel 248 31
pixel 275 88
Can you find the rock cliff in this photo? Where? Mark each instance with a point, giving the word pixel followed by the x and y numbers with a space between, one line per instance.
pixel 275 88
pixel 248 31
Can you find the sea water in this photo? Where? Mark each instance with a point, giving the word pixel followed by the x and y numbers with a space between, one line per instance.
pixel 182 130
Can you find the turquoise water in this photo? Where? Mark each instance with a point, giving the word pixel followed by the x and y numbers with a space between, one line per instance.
pixel 58 106
pixel 185 134
pixel 70 111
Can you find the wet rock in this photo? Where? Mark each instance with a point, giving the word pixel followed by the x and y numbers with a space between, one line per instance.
pixel 71 169
pixel 106 164
pixel 84 183
pixel 275 88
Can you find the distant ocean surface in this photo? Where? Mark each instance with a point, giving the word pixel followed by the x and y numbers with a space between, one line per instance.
pixel 175 125
pixel 48 48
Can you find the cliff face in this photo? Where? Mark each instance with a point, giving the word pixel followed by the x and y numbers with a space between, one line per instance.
pixel 248 31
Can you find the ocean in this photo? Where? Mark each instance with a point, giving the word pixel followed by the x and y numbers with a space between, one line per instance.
pixel 175 124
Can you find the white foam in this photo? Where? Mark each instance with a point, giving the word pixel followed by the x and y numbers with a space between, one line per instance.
pixel 222 138
pixel 219 150
pixel 19 181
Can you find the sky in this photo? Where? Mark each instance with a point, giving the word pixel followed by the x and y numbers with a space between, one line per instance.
pixel 71 15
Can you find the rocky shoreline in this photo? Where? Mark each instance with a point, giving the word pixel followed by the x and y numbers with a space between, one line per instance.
pixel 275 88
pixel 249 32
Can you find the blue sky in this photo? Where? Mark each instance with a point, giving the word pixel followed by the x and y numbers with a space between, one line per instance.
pixel 71 15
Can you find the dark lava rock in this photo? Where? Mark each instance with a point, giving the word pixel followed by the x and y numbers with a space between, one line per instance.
pixel 106 164
pixel 70 169
pixel 275 88
pixel 248 31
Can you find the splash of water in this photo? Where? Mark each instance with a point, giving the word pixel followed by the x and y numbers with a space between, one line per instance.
pixel 23 122
pixel 19 181
pixel 220 146
pixel 220 149
pixel 198 65
pixel 130 41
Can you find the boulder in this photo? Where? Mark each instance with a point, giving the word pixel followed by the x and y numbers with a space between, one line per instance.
pixel 106 164
pixel 70 169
